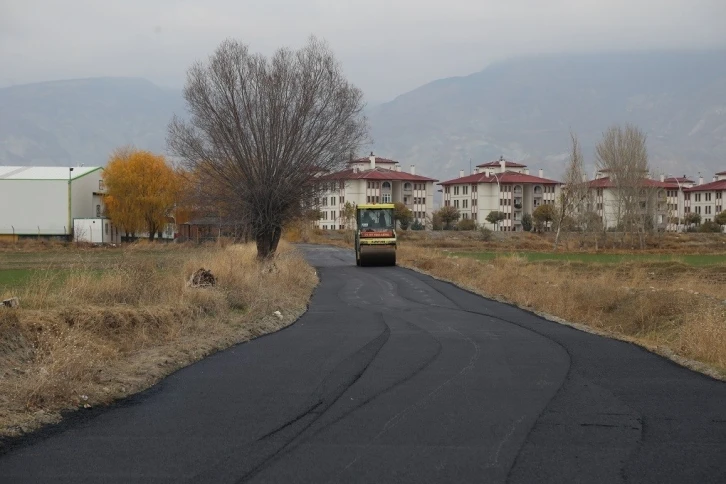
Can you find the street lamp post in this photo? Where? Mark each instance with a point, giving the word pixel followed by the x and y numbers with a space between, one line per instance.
pixel 70 221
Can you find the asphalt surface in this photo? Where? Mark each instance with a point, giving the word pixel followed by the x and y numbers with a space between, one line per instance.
pixel 392 376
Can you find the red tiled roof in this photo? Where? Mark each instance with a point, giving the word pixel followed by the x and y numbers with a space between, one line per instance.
pixel 707 187
pixel 682 179
pixel 507 164
pixel 368 160
pixel 377 174
pixel 605 182
pixel 506 177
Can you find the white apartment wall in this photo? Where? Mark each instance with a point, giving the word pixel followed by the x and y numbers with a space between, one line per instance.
pixel 356 192
pixel 706 204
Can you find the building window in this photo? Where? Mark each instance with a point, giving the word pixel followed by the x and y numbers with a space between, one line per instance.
pixel 456 190
pixel 332 201
pixel 465 204
pixel 473 189
pixel 446 189
pixel 456 203
pixel 465 189
pixel 106 228
pixel 407 186
pixel 98 210
pixel 708 209
pixel 101 185
pixel 447 203
pixel 386 198
pixel 708 197
pixel 473 202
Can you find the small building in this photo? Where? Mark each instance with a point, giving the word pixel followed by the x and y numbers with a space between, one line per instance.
pixel 95 231
pixel 503 186
pixel 42 201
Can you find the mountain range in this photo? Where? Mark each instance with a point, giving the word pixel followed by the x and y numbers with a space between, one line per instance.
pixel 522 109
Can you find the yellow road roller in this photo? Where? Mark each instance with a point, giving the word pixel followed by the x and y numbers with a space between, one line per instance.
pixel 375 236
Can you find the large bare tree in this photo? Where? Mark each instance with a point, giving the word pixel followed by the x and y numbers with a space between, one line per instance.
pixel 265 128
pixel 574 191
pixel 623 155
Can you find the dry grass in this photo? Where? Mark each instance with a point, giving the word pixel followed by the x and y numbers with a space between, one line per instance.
pixel 684 312
pixel 89 337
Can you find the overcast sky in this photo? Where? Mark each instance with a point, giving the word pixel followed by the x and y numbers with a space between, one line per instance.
pixel 387 47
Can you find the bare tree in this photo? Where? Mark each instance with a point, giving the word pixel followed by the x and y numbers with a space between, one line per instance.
pixel 575 190
pixel 623 155
pixel 264 129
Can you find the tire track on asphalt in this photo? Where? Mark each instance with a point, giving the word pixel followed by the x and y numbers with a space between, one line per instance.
pixel 333 386
pixel 565 382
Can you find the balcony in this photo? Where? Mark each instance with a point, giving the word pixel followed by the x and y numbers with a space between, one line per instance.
pixel 518 203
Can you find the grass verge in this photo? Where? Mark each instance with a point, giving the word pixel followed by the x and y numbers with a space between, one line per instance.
pixel 100 335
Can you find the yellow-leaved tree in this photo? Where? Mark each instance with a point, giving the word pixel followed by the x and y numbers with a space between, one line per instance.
pixel 142 190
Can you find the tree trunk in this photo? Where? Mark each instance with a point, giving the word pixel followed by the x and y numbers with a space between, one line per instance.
pixel 557 236
pixel 267 240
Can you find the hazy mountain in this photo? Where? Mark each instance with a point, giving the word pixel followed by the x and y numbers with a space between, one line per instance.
pixel 83 121
pixel 524 108
pixel 521 108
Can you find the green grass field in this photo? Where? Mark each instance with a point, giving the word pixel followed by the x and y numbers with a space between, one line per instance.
pixel 19 268
pixel 691 259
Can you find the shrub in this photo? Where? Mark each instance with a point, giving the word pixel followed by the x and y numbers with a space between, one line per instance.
pixel 527 222
pixel 466 224
pixel 710 227
pixel 486 234
pixel 417 225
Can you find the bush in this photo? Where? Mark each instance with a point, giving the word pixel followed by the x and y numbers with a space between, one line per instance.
pixel 527 222
pixel 466 224
pixel 709 226
pixel 486 234
pixel 416 225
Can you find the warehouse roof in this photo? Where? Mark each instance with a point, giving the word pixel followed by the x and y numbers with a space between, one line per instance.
pixel 44 172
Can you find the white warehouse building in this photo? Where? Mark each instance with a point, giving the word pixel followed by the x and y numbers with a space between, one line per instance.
pixel 47 202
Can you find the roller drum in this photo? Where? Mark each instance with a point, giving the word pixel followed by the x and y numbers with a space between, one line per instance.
pixel 377 255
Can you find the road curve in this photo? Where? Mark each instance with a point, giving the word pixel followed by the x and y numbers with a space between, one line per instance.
pixel 392 376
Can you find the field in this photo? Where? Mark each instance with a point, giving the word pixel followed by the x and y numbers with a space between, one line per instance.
pixel 670 298
pixel 602 258
pixel 97 324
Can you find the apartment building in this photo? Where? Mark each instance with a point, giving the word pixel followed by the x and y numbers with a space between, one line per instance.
pixel 675 200
pixel 606 199
pixel 706 199
pixel 374 179
pixel 501 185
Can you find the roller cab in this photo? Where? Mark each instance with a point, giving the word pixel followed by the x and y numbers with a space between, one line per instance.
pixel 375 237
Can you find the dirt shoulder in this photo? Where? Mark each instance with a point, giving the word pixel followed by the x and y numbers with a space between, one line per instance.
pixel 93 333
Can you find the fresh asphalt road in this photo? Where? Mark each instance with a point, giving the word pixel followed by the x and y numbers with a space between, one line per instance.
pixel 392 376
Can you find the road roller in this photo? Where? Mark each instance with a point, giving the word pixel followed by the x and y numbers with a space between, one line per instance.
pixel 375 236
